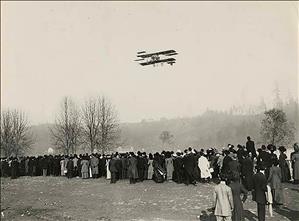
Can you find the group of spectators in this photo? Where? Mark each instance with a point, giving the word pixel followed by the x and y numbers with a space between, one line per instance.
pixel 234 166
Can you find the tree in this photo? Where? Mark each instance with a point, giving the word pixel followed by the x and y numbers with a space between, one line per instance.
pixel 166 137
pixel 275 129
pixel 109 125
pixel 100 124
pixel 66 132
pixel 16 137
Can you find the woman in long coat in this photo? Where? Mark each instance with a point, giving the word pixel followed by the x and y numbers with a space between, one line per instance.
pixel 108 173
pixel 238 189
pixel 159 172
pixel 204 167
pixel 285 171
pixel 132 168
pixel 150 170
pixel 295 163
pixel 275 183
pixel 85 168
pixel 247 172
pixel 169 166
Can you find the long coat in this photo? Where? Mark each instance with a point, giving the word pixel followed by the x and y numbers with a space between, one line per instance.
pixel 84 168
pixel 132 168
pixel 169 168
pixel 259 188
pixel 247 172
pixel 150 171
pixel 223 200
pixel 238 189
pixel 275 183
pixel 295 160
pixel 204 167
pixel 285 171
pixel 94 164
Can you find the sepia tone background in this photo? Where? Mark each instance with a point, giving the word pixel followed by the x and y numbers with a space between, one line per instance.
pixel 236 59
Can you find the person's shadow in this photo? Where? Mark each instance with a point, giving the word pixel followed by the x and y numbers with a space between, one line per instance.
pixel 204 216
pixel 288 213
pixel 250 216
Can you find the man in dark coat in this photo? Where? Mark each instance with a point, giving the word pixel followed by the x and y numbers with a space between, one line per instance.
pixel 113 168
pixel 70 168
pixel 14 168
pixel 132 168
pixel 189 163
pixel 225 165
pixel 178 168
pixel 44 165
pixel 259 192
pixel 264 159
pixel 247 172
pixel 250 147
pixel 140 166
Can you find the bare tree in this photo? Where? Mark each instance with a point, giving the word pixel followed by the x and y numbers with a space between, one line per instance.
pixel 100 124
pixel 16 137
pixel 109 125
pixel 66 132
pixel 91 123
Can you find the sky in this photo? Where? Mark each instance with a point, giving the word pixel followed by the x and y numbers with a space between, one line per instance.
pixel 230 53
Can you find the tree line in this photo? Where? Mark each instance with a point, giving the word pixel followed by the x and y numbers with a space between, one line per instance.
pixel 94 126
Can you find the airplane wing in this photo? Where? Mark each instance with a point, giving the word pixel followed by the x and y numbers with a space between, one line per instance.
pixel 168 60
pixel 157 53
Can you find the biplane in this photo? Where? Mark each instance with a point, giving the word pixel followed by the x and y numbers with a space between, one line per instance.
pixel 160 57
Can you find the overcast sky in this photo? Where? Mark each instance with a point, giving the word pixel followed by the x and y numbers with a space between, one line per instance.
pixel 229 53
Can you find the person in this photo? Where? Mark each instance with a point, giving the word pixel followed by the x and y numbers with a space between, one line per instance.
pixel 14 167
pixel 108 172
pixel 62 167
pixel 247 171
pixel 189 163
pixel 132 168
pixel 259 191
pixel 285 171
pixel 113 168
pixel 70 168
pixel 241 152
pixel 264 159
pixel 274 181
pixel 169 166
pixel 150 171
pixel 238 189
pixel 75 162
pixel 234 165
pixel 223 200
pixel 295 163
pixel 250 147
pixel 84 167
pixel 159 171
pixel 225 162
pixel 94 164
pixel 140 166
pixel 178 168
pixel 204 167
pixel 44 165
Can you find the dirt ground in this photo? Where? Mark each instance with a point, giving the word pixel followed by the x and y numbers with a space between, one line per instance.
pixel 59 198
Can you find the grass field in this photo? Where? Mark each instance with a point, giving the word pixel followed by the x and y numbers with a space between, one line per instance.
pixel 58 198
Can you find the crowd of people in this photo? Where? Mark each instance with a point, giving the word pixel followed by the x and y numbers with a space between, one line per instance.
pixel 239 169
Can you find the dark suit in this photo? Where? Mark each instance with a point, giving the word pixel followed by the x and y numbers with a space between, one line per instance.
pixel 251 148
pixel 259 194
pixel 113 169
pixel 189 162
